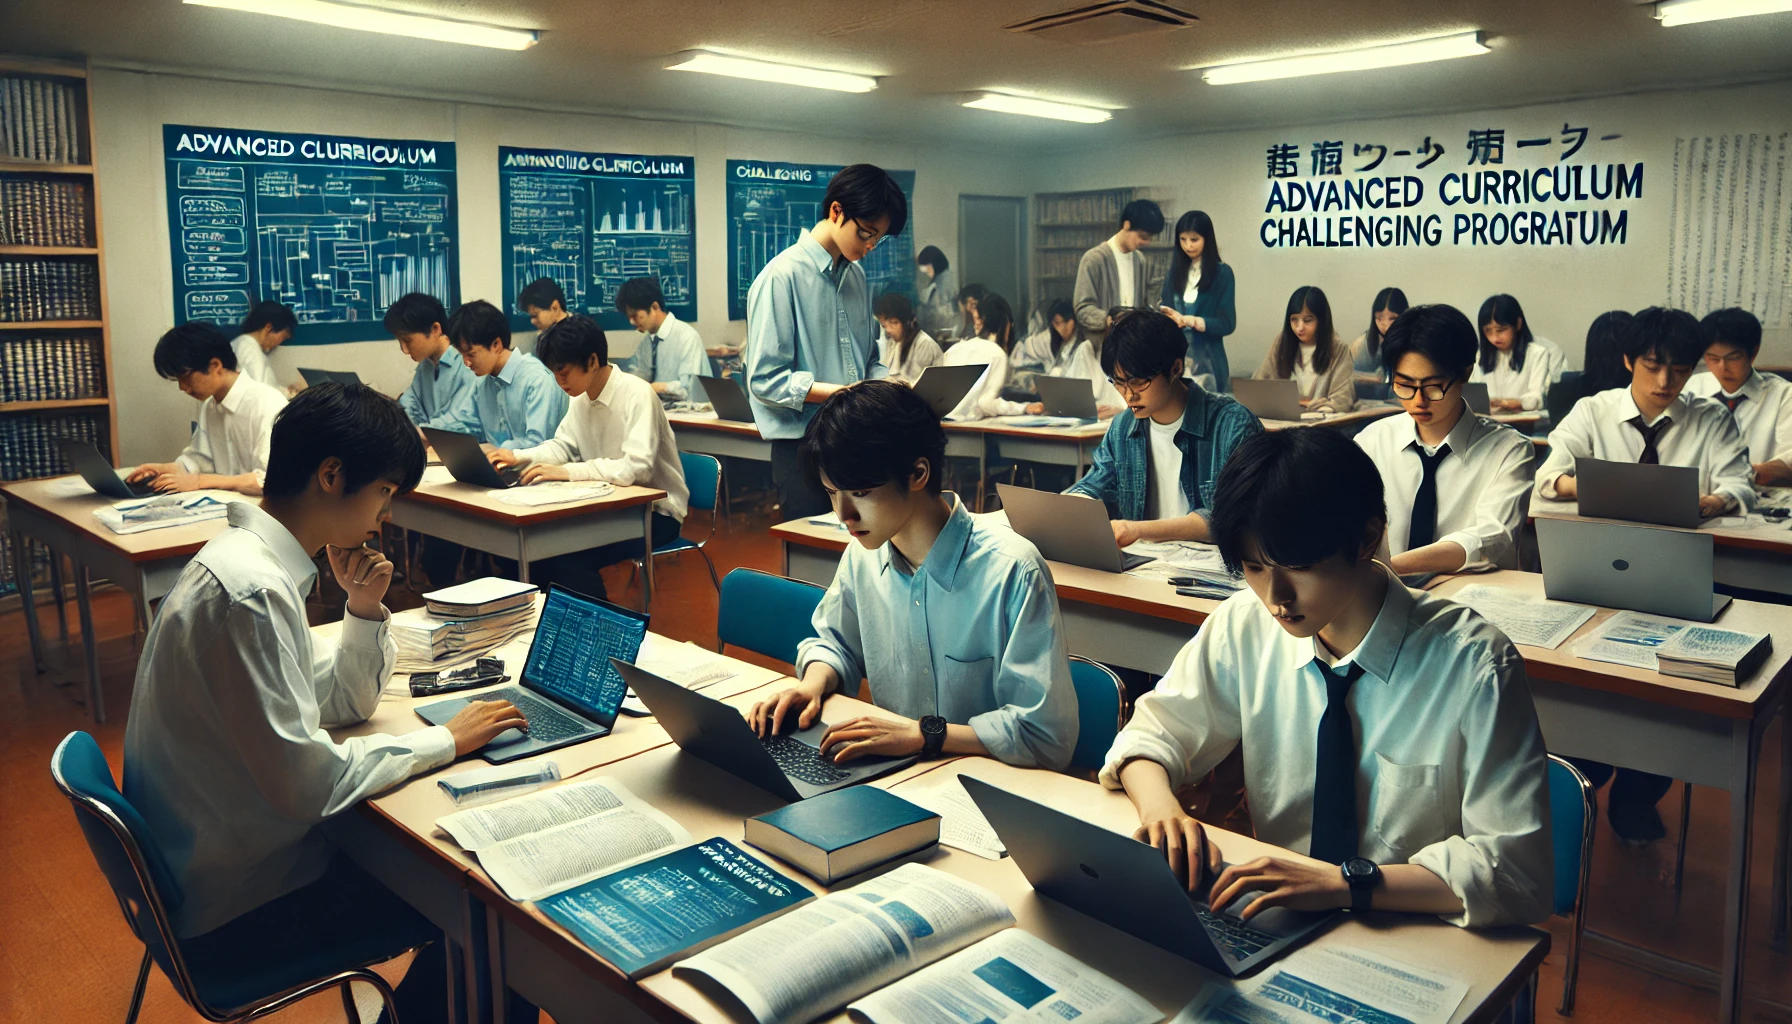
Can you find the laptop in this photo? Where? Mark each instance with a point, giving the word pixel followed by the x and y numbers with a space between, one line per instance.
pixel 315 377
pixel 1269 399
pixel 1642 568
pixel 1663 495
pixel 1066 528
pixel 1475 394
pixel 466 461
pixel 569 690
pixel 728 399
pixel 945 386
pixel 789 765
pixel 1127 884
pixel 1066 396
pixel 94 468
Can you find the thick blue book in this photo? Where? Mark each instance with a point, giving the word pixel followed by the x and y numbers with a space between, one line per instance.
pixel 844 832
pixel 642 918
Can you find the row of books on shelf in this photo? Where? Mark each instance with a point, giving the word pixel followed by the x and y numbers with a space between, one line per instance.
pixel 1064 264
pixel 52 367
pixel 40 119
pixel 1080 238
pixel 1092 208
pixel 28 442
pixel 49 288
pixel 34 211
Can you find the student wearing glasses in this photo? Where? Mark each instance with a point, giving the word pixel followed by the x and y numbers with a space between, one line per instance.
pixel 1760 403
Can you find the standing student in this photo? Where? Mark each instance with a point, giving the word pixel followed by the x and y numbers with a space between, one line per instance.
pixel 1064 350
pixel 935 300
pixel 1365 351
pixel 1517 366
pixel 440 394
pixel 992 340
pixel 1198 297
pixel 1760 403
pixel 1455 481
pixel 1309 353
pixel 1603 360
pixel 810 331
pixel 229 446
pixel 544 302
pixel 516 402
pixel 268 326
pixel 1156 468
pixel 672 357
pixel 1114 273
pixel 968 297
pixel 952 619
pixel 905 349
pixel 1392 739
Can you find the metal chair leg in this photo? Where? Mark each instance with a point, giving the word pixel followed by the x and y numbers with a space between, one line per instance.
pixel 137 992
pixel 713 578
pixel 1571 964
pixel 1680 846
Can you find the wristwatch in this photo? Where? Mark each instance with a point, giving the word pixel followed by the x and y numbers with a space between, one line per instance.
pixel 1363 875
pixel 933 735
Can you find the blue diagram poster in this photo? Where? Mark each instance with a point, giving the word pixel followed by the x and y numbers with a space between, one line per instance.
pixel 771 204
pixel 335 227
pixel 591 221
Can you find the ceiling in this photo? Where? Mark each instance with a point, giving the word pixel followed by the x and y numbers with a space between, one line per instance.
pixel 607 56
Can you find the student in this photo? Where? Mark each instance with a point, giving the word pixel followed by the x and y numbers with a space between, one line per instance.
pixel 810 331
pixel 1517 367
pixel 225 752
pixel 615 430
pixel 1066 351
pixel 968 297
pixel 1391 733
pixel 440 394
pixel 952 619
pixel 1652 422
pixel 268 326
pixel 935 297
pixel 544 302
pixel 1156 468
pixel 1455 481
pixel 229 447
pixel 1115 273
pixel 1760 403
pixel 906 349
pixel 1604 362
pixel 1309 353
pixel 1365 351
pixel 1198 297
pixel 515 401
pixel 672 357
pixel 992 340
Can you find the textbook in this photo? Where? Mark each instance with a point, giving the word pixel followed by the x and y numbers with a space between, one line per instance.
pixel 423 638
pixel 642 918
pixel 483 596
pixel 1713 655
pixel 842 833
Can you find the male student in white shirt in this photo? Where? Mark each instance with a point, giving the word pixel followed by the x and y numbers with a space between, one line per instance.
pixel 268 326
pixel 226 753
pixel 1455 480
pixel 672 357
pixel 1652 422
pixel 1760 403
pixel 229 447
pixel 1390 740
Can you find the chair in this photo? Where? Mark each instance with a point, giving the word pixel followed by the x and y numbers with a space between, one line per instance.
pixel 1100 711
pixel 148 894
pixel 1573 811
pixel 703 475
pixel 766 614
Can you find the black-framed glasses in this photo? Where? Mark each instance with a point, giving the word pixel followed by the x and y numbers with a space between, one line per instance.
pixel 869 236
pixel 1433 392
pixel 1132 385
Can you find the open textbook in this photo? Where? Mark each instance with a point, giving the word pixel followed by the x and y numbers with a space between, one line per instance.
pixel 1328 985
pixel 873 940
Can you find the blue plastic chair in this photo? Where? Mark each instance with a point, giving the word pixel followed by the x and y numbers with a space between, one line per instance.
pixel 1100 711
pixel 148 894
pixel 1573 813
pixel 766 614
pixel 703 475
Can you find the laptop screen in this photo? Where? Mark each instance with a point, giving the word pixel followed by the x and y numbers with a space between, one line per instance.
pixel 569 658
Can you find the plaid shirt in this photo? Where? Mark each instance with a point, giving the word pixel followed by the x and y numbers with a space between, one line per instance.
pixel 1212 427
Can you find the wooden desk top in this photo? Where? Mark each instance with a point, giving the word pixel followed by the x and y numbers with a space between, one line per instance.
pixel 1363 413
pixel 69 499
pixel 440 488
pixel 1000 425
pixel 1775 537
pixel 710 421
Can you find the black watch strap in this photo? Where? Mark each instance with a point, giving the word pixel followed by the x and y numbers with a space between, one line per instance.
pixel 933 735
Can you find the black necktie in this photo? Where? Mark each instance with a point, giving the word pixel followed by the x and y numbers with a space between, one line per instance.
pixel 1650 456
pixel 1733 401
pixel 1334 783
pixel 653 356
pixel 1422 529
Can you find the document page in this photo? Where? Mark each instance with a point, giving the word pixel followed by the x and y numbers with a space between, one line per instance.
pixel 962 824
pixel 1525 620
pixel 1629 638
pixel 1013 977
pixel 1331 985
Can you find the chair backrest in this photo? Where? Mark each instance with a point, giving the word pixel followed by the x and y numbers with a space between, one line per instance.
pixel 766 614
pixel 702 474
pixel 1573 813
pixel 1100 700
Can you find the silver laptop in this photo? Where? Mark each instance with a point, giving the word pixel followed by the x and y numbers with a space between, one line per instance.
pixel 1475 394
pixel 945 386
pixel 1663 495
pixel 1640 568
pixel 1269 399
pixel 314 377
pixel 86 460
pixel 1066 528
pixel 727 398
pixel 467 461
pixel 1066 396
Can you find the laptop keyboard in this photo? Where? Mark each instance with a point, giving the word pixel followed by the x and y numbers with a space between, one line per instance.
pixel 801 761
pixel 547 723
pixel 1237 940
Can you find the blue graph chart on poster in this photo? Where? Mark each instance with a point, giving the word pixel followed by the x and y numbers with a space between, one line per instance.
pixel 335 227
pixel 771 204
pixel 591 221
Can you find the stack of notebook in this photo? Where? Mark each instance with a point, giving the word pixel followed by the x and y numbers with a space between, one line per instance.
pixel 464 621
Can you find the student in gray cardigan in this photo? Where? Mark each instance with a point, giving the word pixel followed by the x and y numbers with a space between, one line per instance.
pixel 1100 284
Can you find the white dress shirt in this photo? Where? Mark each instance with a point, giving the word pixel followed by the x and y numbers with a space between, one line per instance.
pixel 623 437
pixel 251 361
pixel 233 436
pixel 1451 774
pixel 1702 435
pixel 1481 485
pixel 1077 359
pixel 673 355
pixel 225 753
pixel 1543 363
pixel 985 397
pixel 1764 415
pixel 922 353
pixel 1125 262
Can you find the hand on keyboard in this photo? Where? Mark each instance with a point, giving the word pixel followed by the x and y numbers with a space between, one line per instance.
pixel 482 721
pixel 1293 882
pixel 865 735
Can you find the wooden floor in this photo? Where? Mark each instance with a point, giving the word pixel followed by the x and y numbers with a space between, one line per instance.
pixel 66 954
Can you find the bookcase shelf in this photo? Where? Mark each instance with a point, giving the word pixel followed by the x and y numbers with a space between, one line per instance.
pixel 38 166
pixel 52 325
pixel 67 403
pixel 1088 218
pixel 48 250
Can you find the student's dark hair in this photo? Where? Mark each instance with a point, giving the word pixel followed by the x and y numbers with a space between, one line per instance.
pixel 479 323
pixel 541 293
pixel 415 314
pixel 639 293
pixel 998 320
pixel 1603 361
pixel 896 306
pixel 1143 344
pixel 572 342
pixel 1273 487
pixel 1325 337
pixel 367 431
pixel 870 434
pixel 1669 335
pixel 1194 222
pixel 1503 310
pixel 974 292
pixel 268 313
pixel 866 192
pixel 930 255
pixel 1144 215
pixel 1386 299
pixel 1439 333
pixel 1062 309
pixel 191 347
pixel 1734 325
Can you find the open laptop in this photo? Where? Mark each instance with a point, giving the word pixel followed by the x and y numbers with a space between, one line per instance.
pixel 1269 399
pixel 945 386
pixel 466 460
pixel 314 377
pixel 789 765
pixel 86 460
pixel 728 399
pixel 1066 528
pixel 1127 884
pixel 1642 568
pixel 1475 394
pixel 1066 396
pixel 1663 495
pixel 569 690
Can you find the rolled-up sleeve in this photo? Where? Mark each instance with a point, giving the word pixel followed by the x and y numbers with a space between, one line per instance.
pixel 1572 440
pixel 1036 724
pixel 1492 538
pixel 1189 722
pixel 771 370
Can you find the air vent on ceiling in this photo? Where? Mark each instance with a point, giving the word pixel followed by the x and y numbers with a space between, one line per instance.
pixel 1105 22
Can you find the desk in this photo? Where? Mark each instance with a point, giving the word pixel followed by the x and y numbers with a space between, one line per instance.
pixel 705 433
pixel 1365 412
pixel 1755 557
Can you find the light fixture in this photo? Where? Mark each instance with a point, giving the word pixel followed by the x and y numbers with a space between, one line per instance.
pixel 770 71
pixel 1386 55
pixel 1031 106
pixel 374 19
pixel 1691 12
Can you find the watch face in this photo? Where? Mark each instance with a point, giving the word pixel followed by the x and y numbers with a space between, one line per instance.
pixel 1358 867
pixel 933 724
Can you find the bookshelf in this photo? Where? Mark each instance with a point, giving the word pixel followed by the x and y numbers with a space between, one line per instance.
pixel 1068 224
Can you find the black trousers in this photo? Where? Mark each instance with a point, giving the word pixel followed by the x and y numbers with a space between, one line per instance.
pixel 797 497
pixel 580 571
pixel 1630 804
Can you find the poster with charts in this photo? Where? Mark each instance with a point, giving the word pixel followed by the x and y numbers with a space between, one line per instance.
pixel 337 227
pixel 771 204
pixel 591 221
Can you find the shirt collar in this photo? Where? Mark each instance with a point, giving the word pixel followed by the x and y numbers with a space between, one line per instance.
pixel 233 399
pixel 1750 387
pixel 947 553
pixel 247 515
pixel 1676 409
pixel 1380 647
pixel 607 393
pixel 817 255
pixel 669 321
pixel 1457 438
pixel 508 373
pixel 449 359
pixel 1194 417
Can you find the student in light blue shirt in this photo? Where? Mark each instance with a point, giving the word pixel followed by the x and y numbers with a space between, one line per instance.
pixel 953 620
pixel 515 400
pixel 672 357
pixel 441 391
pixel 810 330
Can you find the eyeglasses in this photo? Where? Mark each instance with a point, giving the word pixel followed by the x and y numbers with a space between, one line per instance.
pixel 1432 392
pixel 1728 359
pixel 868 236
pixel 1133 385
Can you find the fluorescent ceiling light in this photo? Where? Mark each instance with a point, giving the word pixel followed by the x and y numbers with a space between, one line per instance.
pixel 1009 104
pixel 1691 12
pixel 374 19
pixel 768 71
pixel 1417 51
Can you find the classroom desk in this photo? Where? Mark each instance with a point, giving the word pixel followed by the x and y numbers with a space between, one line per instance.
pixel 1366 412
pixel 1755 557
pixel 705 433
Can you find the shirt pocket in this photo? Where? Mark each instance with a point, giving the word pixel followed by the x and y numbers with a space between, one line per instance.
pixel 967 681
pixel 1407 809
